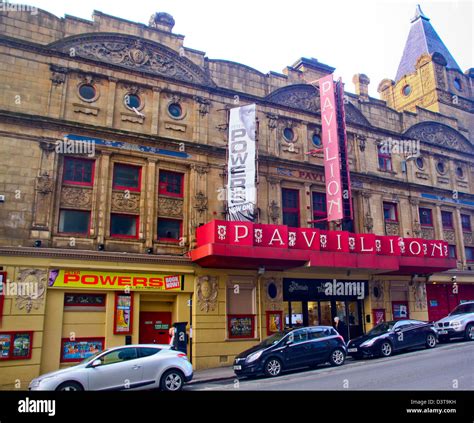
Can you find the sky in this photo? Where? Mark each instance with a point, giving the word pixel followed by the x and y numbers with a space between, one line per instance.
pixel 364 36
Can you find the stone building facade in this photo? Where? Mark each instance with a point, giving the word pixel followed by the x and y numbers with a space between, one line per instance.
pixel 113 140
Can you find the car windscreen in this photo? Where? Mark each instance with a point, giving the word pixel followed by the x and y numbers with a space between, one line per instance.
pixel 91 357
pixel 272 340
pixel 382 328
pixel 462 308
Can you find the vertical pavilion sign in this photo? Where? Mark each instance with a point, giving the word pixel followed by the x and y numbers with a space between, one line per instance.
pixel 338 200
pixel 241 165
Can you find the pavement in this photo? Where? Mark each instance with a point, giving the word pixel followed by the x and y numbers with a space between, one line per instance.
pixel 213 375
pixel 446 367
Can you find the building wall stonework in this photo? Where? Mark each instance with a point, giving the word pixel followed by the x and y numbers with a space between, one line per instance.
pixel 44 60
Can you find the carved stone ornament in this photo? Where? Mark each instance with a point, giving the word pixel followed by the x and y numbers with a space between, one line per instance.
pixel 377 291
pixel 441 135
pixel 368 222
pixel 76 197
pixel 272 120
pixel 125 202
pixel 171 207
pixel 131 53
pixel 449 236
pixel 200 169
pixel 274 211
pixel 275 283
pixel 200 202
pixel 427 233
pixel 32 285
pixel 354 115
pixel 207 292
pixel 300 96
pixel 44 184
pixel 392 228
pixel 468 238
pixel 58 75
pixel 203 105
pixel 419 293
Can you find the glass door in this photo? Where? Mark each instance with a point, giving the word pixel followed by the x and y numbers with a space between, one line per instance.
pixel 325 313
pixel 354 319
pixel 313 313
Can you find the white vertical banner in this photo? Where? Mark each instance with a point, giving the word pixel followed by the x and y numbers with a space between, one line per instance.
pixel 241 168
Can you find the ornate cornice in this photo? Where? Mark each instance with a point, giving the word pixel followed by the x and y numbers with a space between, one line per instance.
pixel 133 53
pixel 440 135
pixel 61 253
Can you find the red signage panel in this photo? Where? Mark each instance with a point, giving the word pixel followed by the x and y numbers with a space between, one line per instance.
pixel 332 164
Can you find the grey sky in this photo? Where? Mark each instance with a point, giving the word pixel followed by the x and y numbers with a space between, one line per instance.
pixel 364 36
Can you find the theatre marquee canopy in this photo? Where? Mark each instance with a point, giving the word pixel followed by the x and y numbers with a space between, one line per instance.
pixel 246 245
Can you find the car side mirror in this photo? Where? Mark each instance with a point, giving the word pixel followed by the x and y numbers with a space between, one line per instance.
pixel 96 363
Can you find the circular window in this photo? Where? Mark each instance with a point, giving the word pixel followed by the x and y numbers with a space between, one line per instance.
pixel 440 167
pixel 272 290
pixel 420 163
pixel 289 134
pixel 457 84
pixel 87 92
pixel 132 101
pixel 406 90
pixel 459 172
pixel 175 110
pixel 316 140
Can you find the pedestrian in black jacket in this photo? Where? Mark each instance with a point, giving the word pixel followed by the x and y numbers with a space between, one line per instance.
pixel 341 328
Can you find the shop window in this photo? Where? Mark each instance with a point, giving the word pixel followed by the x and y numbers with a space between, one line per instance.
pixel 123 226
pixel 16 345
pixel 127 177
pixel 74 222
pixel 466 223
pixel 291 207
pixel 80 348
pixel 447 219
pixel 452 252
pixel 319 210
pixel 169 229
pixel 240 310
pixel 78 171
pixel 426 217
pixel 385 159
pixel 86 302
pixel 390 212
pixel 469 253
pixel 171 183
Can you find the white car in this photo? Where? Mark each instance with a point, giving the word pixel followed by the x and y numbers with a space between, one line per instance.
pixel 458 324
pixel 128 367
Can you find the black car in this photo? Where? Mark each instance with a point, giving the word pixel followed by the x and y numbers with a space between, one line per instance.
pixel 292 348
pixel 388 337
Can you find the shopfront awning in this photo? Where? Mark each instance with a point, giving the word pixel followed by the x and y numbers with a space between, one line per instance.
pixel 243 245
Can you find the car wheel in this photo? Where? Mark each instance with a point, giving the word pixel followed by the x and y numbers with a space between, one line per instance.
pixel 273 367
pixel 172 380
pixel 469 332
pixel 430 341
pixel 386 349
pixel 70 386
pixel 337 357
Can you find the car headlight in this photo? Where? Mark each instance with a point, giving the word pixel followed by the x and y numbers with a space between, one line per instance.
pixel 456 325
pixel 254 356
pixel 368 343
pixel 37 382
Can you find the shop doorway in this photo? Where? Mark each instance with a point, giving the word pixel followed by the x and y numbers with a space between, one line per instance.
pixel 154 327
pixel 322 313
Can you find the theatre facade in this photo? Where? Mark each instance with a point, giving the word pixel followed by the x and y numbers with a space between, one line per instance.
pixel 114 227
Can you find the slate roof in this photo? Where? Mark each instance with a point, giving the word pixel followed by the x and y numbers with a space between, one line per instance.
pixel 422 38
